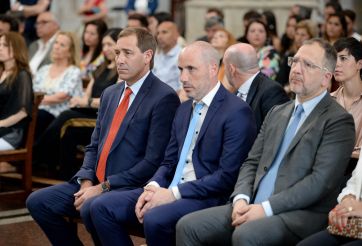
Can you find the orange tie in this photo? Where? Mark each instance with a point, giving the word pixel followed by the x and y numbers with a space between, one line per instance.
pixel 116 123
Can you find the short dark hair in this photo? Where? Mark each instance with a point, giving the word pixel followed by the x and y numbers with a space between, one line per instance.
pixel 217 11
pixel 145 40
pixel 352 46
pixel 350 14
pixel 251 15
pixel 140 17
pixel 335 5
pixel 330 54
pixel 12 21
pixel 162 16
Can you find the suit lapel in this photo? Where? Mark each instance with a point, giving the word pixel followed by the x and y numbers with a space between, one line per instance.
pixel 132 110
pixel 214 106
pixel 310 121
pixel 253 88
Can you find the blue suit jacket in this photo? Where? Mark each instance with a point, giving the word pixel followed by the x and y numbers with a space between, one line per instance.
pixel 225 138
pixel 139 146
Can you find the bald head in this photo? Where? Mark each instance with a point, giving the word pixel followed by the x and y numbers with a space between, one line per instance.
pixel 204 51
pixel 167 35
pixel 241 62
pixel 242 56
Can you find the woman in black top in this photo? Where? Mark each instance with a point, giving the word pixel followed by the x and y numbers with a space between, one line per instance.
pixel 57 147
pixel 16 93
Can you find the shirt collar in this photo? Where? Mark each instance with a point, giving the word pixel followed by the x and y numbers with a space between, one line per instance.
pixel 309 105
pixel 137 86
pixel 210 96
pixel 245 87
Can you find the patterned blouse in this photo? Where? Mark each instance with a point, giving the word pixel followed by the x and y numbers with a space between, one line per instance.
pixel 68 82
pixel 269 61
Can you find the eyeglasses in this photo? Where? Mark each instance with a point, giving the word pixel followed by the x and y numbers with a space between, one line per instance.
pixel 308 66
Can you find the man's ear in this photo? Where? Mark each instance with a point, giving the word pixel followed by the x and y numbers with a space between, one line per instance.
pixel 148 56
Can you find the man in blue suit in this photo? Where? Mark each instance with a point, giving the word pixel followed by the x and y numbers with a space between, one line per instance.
pixel 127 145
pixel 210 138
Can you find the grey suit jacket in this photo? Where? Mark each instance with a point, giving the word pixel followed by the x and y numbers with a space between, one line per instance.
pixel 33 48
pixel 309 176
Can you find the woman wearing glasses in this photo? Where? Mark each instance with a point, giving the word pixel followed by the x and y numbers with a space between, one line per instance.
pixel 349 95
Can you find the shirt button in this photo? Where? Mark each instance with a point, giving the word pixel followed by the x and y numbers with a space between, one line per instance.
pixel 187 161
pixel 197 132
pixel 182 178
pixel 265 169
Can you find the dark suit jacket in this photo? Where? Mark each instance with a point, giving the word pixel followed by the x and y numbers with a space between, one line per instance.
pixel 309 176
pixel 264 93
pixel 33 48
pixel 139 146
pixel 225 138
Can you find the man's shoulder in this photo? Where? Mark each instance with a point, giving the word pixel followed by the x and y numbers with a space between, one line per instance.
pixel 158 87
pixel 266 84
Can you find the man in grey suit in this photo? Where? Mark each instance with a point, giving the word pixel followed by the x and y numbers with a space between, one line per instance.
pixel 288 183
pixel 243 73
pixel 39 51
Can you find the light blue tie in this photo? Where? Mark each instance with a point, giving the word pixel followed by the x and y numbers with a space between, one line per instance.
pixel 187 143
pixel 266 186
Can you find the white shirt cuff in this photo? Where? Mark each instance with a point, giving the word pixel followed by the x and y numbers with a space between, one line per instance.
pixel 267 208
pixel 241 196
pixel 153 183
pixel 175 191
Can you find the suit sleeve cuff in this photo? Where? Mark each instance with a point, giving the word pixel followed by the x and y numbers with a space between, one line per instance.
pixel 267 208
pixel 176 192
pixel 241 196
pixel 153 183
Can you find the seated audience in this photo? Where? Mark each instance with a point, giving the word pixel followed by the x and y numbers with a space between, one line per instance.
pixel 288 36
pixel 39 51
pixel 252 86
pixel 221 40
pixel 257 35
pixel 92 56
pixel 290 180
pixel 57 147
pixel 210 137
pixel 156 19
pixel 128 143
pixel 335 28
pixel 16 93
pixel 211 25
pixel 350 16
pixel 166 56
pixel 349 74
pixel 59 81
pixel 349 205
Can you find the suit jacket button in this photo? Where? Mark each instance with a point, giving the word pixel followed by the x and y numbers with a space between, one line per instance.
pixel 265 169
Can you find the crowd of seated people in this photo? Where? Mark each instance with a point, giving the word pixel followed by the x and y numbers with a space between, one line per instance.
pixel 101 98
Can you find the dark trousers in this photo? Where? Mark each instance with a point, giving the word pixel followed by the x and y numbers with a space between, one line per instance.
pixel 114 212
pixel 325 238
pixel 53 151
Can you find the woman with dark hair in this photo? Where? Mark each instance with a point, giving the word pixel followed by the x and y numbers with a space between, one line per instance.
pixel 257 35
pixel 288 37
pixel 336 28
pixel 58 145
pixel 269 19
pixel 16 93
pixel 92 47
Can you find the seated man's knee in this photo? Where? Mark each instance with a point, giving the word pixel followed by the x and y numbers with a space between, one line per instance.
pixel 35 201
pixel 243 235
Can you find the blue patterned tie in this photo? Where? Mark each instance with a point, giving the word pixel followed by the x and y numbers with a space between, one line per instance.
pixel 266 186
pixel 187 143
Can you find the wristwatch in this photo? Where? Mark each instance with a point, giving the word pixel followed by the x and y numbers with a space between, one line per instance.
pixel 105 186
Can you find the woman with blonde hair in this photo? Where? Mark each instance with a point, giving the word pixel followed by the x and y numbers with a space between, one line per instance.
pixel 221 40
pixel 16 93
pixel 59 81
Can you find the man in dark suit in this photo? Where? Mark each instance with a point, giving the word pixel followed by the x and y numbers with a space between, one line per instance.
pixel 128 143
pixel 243 73
pixel 291 178
pixel 211 135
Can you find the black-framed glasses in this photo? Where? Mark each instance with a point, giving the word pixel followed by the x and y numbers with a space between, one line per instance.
pixel 307 65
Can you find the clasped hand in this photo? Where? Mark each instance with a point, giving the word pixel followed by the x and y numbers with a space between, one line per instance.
pixel 243 212
pixel 84 194
pixel 349 207
pixel 151 197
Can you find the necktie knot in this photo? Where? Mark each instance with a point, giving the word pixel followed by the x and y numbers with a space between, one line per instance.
pixel 298 110
pixel 128 92
pixel 198 107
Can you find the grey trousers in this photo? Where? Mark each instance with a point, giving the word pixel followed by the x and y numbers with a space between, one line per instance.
pixel 212 226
